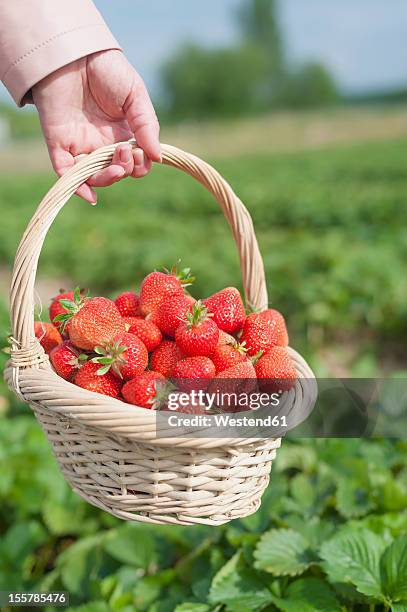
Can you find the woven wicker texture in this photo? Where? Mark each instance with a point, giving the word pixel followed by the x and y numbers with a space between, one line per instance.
pixel 109 451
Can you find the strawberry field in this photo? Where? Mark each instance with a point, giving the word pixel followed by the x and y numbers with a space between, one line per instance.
pixel 331 532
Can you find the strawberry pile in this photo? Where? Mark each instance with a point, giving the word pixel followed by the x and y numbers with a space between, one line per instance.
pixel 130 347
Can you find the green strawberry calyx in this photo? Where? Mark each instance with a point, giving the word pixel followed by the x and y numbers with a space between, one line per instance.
pixel 112 356
pixel 163 388
pixel 197 314
pixel 71 306
pixel 184 276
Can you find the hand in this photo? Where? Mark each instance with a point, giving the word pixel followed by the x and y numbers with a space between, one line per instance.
pixel 94 101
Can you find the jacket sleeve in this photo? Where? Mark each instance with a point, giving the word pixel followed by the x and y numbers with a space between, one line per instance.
pixel 39 36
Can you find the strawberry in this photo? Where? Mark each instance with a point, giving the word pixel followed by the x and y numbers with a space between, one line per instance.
pixel 56 307
pixel 227 308
pixel 94 322
pixel 197 334
pixel 128 304
pixel 129 321
pixel 225 338
pixel 275 370
pixel 88 378
pixel 148 332
pixel 180 405
pixel 127 356
pixel 66 360
pixel 142 390
pixel 158 286
pixel 280 326
pixel 165 358
pixel 170 313
pixel 48 335
pixel 261 332
pixel 234 383
pixel 225 356
pixel 194 373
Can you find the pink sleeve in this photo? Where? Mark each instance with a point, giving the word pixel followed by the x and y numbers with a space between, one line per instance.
pixel 39 36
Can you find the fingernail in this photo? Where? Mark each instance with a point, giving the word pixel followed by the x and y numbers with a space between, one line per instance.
pixel 139 159
pixel 125 155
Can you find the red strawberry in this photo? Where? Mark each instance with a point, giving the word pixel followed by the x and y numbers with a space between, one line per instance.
pixel 275 370
pixel 88 378
pixel 148 332
pixel 226 356
pixel 95 322
pixel 129 321
pixel 142 390
pixel 48 335
pixel 178 404
pixel 165 358
pixel 128 304
pixel 127 356
pixel 56 307
pixel 66 360
pixel 233 384
pixel 261 332
pixel 157 286
pixel 197 334
pixel 170 313
pixel 194 373
pixel 228 309
pixel 280 326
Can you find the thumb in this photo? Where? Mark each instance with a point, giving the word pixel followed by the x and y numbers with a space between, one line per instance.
pixel 143 122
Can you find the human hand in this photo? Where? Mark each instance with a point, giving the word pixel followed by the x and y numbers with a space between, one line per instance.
pixel 97 100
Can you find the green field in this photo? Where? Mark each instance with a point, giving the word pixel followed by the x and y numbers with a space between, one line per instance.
pixel 332 227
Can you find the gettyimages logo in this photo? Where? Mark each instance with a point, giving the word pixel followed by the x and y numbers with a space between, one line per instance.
pixel 311 408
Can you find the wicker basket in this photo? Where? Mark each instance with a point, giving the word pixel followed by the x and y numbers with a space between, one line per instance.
pixel 109 451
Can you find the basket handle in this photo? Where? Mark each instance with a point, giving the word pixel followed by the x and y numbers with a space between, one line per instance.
pixel 25 344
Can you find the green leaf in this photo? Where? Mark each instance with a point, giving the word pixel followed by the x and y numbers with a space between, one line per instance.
pixel 20 540
pixel 79 563
pixel 239 587
pixel 283 552
pixel 393 568
pixel 308 595
pixel 77 295
pixel 352 498
pixel 94 606
pixel 103 370
pixel 399 607
pixel 393 496
pixel 189 606
pixel 315 531
pixel 131 544
pixel 69 305
pixel 354 556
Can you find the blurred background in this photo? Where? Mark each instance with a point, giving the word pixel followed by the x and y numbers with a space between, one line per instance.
pixel 302 107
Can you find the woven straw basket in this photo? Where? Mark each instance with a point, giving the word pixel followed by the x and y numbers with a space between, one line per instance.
pixel 108 450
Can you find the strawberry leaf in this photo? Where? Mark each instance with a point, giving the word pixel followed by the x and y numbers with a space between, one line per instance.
pixel 393 569
pixel 354 556
pixel 308 595
pixel 283 552
pixel 238 587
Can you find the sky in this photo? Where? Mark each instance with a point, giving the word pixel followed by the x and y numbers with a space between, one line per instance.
pixel 362 42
